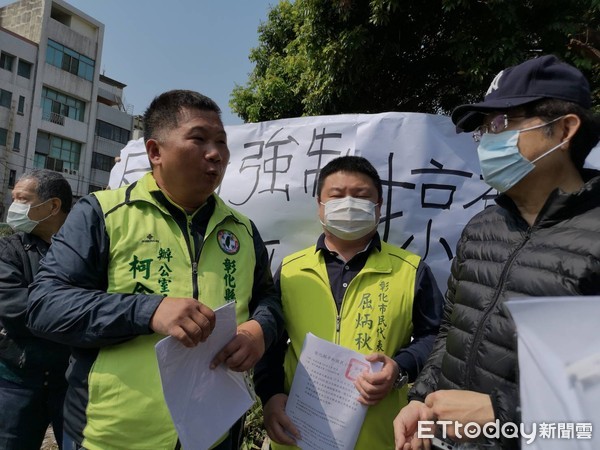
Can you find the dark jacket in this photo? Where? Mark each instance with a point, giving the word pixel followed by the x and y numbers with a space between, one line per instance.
pixel 24 358
pixel 500 256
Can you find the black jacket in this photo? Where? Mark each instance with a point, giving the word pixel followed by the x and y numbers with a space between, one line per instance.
pixel 26 356
pixel 500 256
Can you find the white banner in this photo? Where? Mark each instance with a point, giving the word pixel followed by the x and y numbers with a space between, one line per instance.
pixel 431 178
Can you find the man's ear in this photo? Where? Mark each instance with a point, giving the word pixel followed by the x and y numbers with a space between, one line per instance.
pixel 153 151
pixel 570 125
pixel 56 205
pixel 378 206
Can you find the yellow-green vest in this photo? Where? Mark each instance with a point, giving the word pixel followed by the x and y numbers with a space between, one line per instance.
pixel 149 254
pixel 375 316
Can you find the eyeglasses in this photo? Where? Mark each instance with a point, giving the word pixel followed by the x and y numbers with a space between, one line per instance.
pixel 496 125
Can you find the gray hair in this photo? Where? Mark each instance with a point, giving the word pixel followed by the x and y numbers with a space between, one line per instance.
pixel 51 184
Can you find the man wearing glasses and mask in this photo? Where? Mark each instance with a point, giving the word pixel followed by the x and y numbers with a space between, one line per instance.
pixel 535 130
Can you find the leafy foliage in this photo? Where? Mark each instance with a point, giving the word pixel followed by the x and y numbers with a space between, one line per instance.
pixel 349 56
pixel 254 434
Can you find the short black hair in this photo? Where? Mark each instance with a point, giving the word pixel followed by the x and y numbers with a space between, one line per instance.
pixel 51 184
pixel 586 137
pixel 355 164
pixel 163 112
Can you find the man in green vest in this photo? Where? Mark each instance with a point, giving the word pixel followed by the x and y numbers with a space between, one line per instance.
pixel 152 259
pixel 356 291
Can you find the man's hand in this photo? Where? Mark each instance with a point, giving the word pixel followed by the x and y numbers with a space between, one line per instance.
pixel 244 350
pixel 374 386
pixel 406 426
pixel 277 423
pixel 460 406
pixel 186 319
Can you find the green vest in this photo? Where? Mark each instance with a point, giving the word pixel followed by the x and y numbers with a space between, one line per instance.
pixel 149 254
pixel 376 316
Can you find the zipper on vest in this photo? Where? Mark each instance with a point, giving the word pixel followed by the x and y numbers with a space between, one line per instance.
pixel 195 268
pixel 338 325
pixel 195 293
pixel 488 311
pixel 193 252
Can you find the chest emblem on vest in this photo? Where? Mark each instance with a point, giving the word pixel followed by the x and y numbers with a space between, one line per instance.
pixel 149 238
pixel 228 242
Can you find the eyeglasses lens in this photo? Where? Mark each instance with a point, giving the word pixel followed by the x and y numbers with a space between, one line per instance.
pixel 498 123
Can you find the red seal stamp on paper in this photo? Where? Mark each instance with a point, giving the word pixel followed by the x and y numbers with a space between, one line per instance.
pixel 355 368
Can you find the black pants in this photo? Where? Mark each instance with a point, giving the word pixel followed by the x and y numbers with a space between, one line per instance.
pixel 25 414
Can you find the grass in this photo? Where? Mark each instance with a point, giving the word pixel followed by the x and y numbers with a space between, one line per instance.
pixel 255 436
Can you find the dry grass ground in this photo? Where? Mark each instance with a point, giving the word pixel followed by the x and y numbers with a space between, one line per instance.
pixel 49 441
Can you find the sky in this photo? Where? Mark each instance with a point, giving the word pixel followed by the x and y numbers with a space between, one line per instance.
pixel 153 46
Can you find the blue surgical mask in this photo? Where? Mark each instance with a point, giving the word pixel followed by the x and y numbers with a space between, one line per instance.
pixel 502 165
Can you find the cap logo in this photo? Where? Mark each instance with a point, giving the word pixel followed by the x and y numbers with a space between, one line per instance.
pixel 495 83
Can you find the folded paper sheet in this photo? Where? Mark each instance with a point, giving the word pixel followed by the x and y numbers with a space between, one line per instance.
pixel 203 403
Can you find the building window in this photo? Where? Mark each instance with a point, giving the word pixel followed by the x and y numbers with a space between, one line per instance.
pixel 94 188
pixel 12 178
pixel 112 132
pixel 56 106
pixel 17 141
pixel 24 69
pixel 55 153
pixel 6 61
pixel 5 98
pixel 3 136
pixel 66 59
pixel 21 106
pixel 102 162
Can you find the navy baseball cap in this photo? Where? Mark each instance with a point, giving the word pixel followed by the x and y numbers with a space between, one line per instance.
pixel 543 77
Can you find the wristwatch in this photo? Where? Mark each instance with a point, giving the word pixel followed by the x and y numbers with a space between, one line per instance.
pixel 401 379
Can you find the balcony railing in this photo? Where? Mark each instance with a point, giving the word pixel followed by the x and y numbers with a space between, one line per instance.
pixel 54 118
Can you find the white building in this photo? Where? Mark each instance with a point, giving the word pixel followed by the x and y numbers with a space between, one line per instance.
pixel 56 110
pixel 114 124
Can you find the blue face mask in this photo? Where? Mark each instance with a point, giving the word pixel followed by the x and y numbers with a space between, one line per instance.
pixel 502 165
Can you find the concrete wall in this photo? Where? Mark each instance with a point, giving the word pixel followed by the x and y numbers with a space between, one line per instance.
pixel 24 18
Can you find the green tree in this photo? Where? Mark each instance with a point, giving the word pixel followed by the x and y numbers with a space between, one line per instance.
pixel 366 56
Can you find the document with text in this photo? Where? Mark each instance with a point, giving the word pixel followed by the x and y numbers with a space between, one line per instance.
pixel 323 399
pixel 204 403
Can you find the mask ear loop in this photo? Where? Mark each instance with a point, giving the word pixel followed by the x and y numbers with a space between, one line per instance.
pixel 535 127
pixel 49 215
pixel 553 148
pixel 549 151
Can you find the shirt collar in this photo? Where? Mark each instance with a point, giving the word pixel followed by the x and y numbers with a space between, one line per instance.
pixel 375 243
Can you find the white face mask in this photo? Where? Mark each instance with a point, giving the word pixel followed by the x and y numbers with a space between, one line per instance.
pixel 349 218
pixel 18 217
